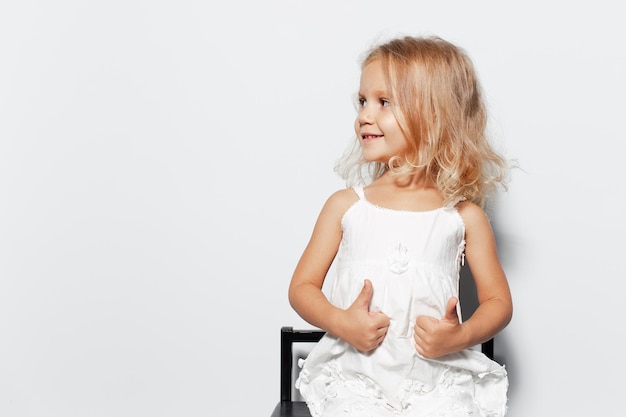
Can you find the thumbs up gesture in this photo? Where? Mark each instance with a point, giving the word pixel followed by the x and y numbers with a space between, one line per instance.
pixel 361 328
pixel 436 337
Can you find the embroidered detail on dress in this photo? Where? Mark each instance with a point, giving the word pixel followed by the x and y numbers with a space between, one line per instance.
pixel 398 261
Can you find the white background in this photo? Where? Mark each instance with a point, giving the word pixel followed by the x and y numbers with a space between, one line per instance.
pixel 162 164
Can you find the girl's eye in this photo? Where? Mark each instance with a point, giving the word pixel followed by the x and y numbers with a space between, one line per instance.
pixel 383 102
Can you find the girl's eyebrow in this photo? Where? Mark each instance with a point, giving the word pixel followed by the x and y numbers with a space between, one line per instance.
pixel 375 93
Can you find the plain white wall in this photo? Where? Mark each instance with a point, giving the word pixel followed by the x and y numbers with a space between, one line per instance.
pixel 162 164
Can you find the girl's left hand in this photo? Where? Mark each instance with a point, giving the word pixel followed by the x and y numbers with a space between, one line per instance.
pixel 435 338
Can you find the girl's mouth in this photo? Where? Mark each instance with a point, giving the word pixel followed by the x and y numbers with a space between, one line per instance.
pixel 371 137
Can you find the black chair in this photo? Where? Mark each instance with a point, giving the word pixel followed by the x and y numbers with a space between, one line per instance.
pixel 288 336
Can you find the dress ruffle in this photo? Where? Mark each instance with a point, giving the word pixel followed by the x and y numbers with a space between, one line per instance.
pixel 451 392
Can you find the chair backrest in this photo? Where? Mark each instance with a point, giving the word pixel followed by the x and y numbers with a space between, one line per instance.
pixel 289 336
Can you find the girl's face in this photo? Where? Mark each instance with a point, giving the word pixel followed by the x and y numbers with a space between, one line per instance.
pixel 376 126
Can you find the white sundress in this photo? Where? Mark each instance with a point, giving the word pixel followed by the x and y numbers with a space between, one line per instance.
pixel 413 260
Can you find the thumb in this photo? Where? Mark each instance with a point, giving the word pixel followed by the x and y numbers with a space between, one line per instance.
pixel 365 296
pixel 451 313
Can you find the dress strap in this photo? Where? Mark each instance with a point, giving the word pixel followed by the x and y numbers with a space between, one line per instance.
pixel 359 191
pixel 456 201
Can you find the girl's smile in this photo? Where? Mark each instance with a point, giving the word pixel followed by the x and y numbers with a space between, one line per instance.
pixel 366 137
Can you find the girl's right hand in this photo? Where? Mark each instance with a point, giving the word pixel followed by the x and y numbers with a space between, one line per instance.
pixel 364 329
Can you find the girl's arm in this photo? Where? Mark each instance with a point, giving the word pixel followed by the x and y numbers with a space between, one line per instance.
pixel 356 325
pixel 434 337
pixel 495 306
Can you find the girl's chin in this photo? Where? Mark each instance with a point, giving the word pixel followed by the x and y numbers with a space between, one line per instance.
pixel 374 159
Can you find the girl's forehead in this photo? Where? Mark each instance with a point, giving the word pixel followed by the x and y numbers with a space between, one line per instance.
pixel 372 65
pixel 374 79
pixel 372 73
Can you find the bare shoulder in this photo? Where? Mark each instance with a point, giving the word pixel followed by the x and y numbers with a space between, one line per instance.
pixel 340 201
pixel 328 226
pixel 473 215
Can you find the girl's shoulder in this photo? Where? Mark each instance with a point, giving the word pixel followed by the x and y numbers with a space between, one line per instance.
pixel 335 207
pixel 471 213
pixel 341 200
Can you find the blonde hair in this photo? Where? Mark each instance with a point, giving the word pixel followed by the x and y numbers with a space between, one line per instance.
pixel 438 103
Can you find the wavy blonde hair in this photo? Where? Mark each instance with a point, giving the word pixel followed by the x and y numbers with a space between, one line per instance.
pixel 437 100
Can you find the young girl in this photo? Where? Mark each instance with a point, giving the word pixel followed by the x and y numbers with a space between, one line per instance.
pixel 395 344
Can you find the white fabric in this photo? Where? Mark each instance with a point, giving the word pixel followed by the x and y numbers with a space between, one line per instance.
pixel 413 260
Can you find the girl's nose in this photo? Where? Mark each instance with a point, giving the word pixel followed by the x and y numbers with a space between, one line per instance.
pixel 365 116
